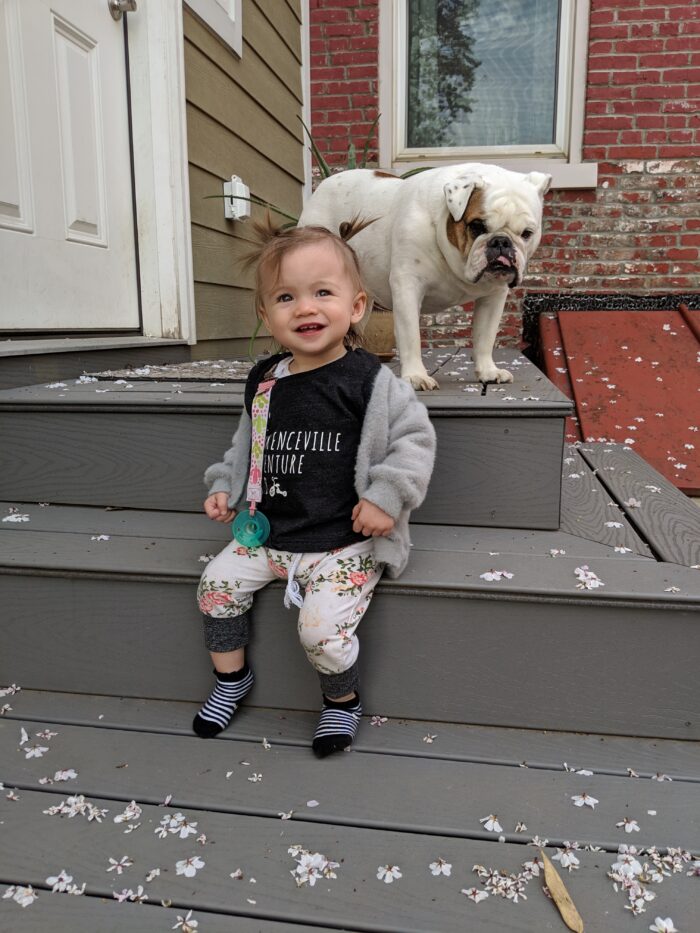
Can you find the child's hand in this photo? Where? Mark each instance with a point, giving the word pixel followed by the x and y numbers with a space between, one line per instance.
pixel 370 520
pixel 217 509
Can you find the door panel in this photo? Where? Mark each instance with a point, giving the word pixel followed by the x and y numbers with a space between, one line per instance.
pixel 16 211
pixel 80 134
pixel 67 256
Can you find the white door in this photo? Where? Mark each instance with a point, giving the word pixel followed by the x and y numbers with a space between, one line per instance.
pixel 67 253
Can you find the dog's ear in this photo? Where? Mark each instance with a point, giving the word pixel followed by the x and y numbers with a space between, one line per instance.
pixel 540 181
pixel 458 192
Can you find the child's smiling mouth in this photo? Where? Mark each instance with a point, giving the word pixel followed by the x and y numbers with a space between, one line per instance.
pixel 309 328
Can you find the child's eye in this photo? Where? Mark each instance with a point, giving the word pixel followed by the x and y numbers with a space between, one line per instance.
pixel 285 296
pixel 323 292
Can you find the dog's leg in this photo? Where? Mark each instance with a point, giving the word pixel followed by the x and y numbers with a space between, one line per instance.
pixel 487 317
pixel 407 297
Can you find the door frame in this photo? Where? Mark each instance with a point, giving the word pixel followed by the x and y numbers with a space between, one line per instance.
pixel 161 175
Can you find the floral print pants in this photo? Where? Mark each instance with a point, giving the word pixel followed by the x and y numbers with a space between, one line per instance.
pixel 337 587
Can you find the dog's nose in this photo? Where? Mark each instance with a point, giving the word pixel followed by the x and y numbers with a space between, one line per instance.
pixel 501 243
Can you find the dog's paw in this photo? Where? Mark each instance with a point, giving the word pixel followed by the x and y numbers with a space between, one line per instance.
pixel 420 381
pixel 494 375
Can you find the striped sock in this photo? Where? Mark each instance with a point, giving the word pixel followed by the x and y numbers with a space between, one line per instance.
pixel 337 726
pixel 222 702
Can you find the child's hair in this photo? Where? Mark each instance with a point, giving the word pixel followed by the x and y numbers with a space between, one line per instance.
pixel 274 243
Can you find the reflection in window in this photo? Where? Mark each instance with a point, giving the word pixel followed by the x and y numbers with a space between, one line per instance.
pixel 482 72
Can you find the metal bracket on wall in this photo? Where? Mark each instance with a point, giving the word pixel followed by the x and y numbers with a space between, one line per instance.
pixel 236 199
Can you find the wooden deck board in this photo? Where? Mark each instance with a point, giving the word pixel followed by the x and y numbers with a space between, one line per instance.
pixel 116 442
pixel 134 523
pixel 124 764
pixel 666 518
pixel 587 506
pixel 147 523
pixel 626 581
pixel 637 663
pixel 524 490
pixel 554 363
pixel 355 900
pixel 351 825
pixel 433 567
pixel 626 366
pixel 117 445
pixel 530 392
pixel 62 913
pixel 602 754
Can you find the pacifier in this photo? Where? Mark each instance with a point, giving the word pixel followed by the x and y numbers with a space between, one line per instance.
pixel 251 529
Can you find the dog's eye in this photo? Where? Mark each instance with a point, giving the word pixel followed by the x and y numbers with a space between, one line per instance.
pixel 476 227
pixel 526 234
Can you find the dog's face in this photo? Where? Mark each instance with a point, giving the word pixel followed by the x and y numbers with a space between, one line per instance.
pixel 494 227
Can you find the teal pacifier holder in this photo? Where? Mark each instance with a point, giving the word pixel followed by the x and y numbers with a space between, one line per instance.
pixel 251 528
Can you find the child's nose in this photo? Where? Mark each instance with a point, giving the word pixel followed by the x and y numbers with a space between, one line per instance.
pixel 306 305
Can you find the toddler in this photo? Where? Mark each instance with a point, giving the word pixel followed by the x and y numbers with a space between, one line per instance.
pixel 340 451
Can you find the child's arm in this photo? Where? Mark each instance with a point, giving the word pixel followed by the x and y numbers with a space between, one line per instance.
pixel 400 481
pixel 229 477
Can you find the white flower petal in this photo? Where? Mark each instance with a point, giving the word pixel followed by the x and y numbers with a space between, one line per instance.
pixel 661 925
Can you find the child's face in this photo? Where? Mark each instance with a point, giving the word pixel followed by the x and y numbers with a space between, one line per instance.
pixel 313 305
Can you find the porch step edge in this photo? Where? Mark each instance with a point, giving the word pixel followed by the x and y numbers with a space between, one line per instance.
pixel 29 347
pixel 441 562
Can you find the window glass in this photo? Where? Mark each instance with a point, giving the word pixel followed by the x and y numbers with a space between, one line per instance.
pixel 482 72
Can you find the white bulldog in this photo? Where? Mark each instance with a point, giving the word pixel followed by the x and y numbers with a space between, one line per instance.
pixel 441 237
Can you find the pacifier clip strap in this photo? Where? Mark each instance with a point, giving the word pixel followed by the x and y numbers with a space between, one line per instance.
pixel 259 414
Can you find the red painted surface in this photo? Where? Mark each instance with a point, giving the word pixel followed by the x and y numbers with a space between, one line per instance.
pixel 692 319
pixel 636 380
pixel 556 369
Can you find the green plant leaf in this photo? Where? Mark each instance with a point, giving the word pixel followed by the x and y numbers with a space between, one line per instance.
pixel 322 164
pixel 352 156
pixel 415 171
pixel 251 342
pixel 365 151
pixel 255 200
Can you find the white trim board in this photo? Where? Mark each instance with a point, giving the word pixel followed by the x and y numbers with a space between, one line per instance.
pixel 223 17
pixel 306 93
pixel 157 70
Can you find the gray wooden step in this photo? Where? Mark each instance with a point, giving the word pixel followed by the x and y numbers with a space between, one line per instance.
pixel 375 806
pixel 507 652
pixel 94 912
pixel 151 767
pixel 514 748
pixel 355 900
pixel 653 505
pixel 146 444
pixel 35 360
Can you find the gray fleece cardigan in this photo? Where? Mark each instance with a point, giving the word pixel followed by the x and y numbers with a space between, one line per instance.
pixel 393 467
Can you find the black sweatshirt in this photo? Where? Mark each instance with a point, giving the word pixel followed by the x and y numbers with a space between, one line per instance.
pixel 313 432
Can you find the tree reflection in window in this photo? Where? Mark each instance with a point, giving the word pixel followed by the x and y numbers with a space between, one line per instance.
pixel 441 66
pixel 482 73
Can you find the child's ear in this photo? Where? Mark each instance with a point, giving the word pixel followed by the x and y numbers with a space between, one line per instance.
pixel 359 306
pixel 262 314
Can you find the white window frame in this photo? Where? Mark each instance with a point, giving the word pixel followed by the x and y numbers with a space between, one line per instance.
pixel 223 17
pixel 563 159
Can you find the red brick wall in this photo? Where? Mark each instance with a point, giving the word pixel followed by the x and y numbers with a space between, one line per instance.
pixel 638 233
pixel 344 75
